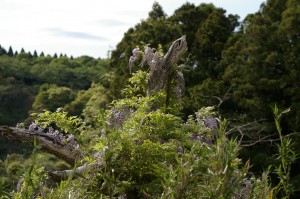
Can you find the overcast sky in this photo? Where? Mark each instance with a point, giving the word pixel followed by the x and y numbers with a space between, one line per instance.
pixel 85 27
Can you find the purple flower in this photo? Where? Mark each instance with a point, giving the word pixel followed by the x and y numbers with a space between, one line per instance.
pixel 135 56
pixel 148 56
pixel 136 52
pixel 211 123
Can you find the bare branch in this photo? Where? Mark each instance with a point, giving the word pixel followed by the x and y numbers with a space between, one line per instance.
pixel 248 126
pixel 220 99
pixel 264 139
pixel 66 174
pixel 58 144
pixel 260 140
pixel 223 99
pixel 250 134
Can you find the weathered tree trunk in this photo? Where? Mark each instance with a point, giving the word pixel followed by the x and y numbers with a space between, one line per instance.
pixel 163 70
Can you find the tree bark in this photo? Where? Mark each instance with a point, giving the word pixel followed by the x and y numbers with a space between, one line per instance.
pixel 69 152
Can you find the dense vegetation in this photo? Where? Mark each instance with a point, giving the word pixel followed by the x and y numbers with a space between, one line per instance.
pixel 242 69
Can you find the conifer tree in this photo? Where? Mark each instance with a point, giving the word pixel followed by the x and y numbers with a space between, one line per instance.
pixel 29 54
pixel 2 51
pixel 35 54
pixel 10 52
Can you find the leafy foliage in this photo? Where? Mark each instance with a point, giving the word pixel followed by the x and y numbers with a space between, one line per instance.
pixel 44 82
pixel 286 155
pixel 150 153
pixel 68 124
pixel 52 98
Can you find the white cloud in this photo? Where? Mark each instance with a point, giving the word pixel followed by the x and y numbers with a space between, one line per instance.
pixel 58 32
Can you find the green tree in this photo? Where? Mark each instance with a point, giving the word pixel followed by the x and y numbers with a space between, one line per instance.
pixel 204 78
pixel 289 31
pixel 157 12
pixel 35 55
pixel 25 57
pixel 189 18
pixel 210 40
pixel 52 97
pixel 2 51
pixel 259 70
pixel 10 52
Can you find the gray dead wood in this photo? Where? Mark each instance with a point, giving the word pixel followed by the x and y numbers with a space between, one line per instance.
pixel 58 146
